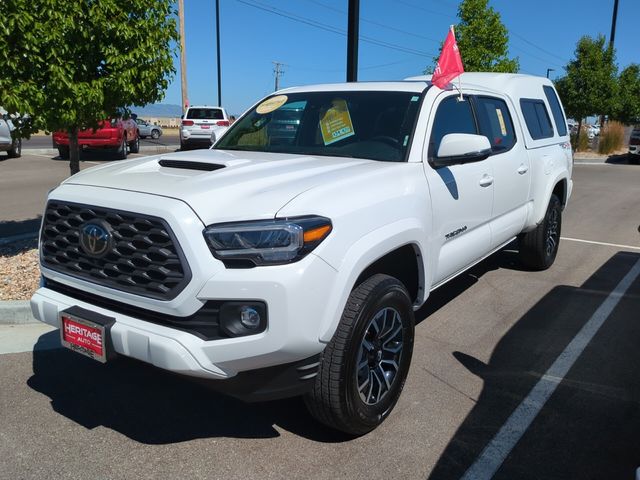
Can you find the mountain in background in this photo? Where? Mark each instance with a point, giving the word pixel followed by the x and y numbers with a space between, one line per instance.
pixel 158 110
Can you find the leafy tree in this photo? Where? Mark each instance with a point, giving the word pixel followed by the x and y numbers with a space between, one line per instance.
pixel 72 64
pixel 589 87
pixel 627 108
pixel 483 39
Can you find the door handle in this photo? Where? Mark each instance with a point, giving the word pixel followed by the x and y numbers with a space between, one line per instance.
pixel 486 180
pixel 522 169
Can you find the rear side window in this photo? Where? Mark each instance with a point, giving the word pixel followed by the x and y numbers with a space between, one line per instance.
pixel 495 123
pixel 556 111
pixel 536 118
pixel 453 116
pixel 205 114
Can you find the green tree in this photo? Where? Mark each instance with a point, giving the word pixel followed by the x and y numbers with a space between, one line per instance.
pixel 71 64
pixel 590 85
pixel 627 105
pixel 482 39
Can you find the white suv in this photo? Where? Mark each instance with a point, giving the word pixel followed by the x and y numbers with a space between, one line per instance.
pixel 285 265
pixel 10 142
pixel 199 124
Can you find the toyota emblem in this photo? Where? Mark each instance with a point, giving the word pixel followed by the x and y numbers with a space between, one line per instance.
pixel 95 238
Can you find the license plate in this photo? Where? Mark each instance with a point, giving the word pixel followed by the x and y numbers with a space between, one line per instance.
pixel 87 337
pixel 204 126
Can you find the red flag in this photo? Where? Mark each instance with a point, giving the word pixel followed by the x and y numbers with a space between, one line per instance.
pixel 449 64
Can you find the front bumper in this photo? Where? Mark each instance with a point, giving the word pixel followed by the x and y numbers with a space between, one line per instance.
pixel 295 295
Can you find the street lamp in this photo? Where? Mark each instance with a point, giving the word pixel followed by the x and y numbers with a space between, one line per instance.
pixel 550 70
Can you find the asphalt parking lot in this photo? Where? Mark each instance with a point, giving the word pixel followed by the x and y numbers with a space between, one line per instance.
pixel 515 375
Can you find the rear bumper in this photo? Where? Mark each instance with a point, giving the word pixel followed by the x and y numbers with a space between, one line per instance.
pixel 111 142
pixel 634 149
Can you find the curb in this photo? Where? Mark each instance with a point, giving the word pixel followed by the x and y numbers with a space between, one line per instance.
pixel 16 312
pixel 150 149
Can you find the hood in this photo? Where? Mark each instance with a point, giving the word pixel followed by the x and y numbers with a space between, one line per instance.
pixel 225 186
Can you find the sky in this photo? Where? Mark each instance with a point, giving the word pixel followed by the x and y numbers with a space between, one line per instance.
pixel 398 39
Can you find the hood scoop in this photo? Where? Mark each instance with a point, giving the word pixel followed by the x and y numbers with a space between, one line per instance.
pixel 188 165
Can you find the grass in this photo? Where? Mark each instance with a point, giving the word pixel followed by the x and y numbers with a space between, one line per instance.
pixel 611 137
pixel 583 144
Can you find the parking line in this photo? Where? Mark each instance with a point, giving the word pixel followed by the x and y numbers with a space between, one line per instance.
pixel 616 245
pixel 497 450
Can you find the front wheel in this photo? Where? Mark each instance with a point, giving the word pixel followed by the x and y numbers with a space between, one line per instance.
pixel 63 152
pixel 134 146
pixel 539 247
pixel 155 134
pixel 121 153
pixel 363 369
pixel 16 148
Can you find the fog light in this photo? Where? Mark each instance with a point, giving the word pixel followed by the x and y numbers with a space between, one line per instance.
pixel 249 317
pixel 238 319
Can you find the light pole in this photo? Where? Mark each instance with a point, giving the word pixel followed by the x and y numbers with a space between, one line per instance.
pixel 183 57
pixel 550 70
pixel 352 40
pixel 218 51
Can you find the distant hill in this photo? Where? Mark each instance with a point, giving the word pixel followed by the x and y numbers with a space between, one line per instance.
pixel 158 110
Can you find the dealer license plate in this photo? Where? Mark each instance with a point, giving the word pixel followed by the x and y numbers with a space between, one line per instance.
pixel 83 336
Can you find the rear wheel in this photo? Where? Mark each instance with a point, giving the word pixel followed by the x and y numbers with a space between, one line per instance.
pixel 155 134
pixel 63 152
pixel 16 148
pixel 363 369
pixel 634 158
pixel 538 248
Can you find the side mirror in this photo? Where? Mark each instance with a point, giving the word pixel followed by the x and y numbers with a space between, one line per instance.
pixel 457 148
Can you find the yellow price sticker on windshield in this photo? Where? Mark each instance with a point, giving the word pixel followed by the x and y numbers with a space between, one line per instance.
pixel 336 124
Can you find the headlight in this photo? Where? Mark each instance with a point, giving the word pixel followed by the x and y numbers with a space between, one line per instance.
pixel 266 242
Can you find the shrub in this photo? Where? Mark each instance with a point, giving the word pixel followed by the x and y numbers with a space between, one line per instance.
pixel 583 146
pixel 611 137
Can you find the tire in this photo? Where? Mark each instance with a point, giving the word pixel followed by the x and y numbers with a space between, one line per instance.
pixel 341 398
pixel 134 147
pixel 183 147
pixel 155 134
pixel 121 153
pixel 63 152
pixel 16 148
pixel 538 248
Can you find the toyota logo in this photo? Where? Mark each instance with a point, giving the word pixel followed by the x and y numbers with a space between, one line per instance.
pixel 95 238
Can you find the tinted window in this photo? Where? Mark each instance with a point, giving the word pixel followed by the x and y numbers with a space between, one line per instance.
pixel 453 116
pixel 495 123
pixel 375 125
pixel 536 118
pixel 556 111
pixel 205 113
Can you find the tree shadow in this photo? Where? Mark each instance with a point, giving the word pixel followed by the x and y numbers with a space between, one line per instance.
pixel 153 406
pixel 588 428
pixel 11 228
pixel 622 159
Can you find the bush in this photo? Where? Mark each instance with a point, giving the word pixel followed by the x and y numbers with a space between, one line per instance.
pixel 583 146
pixel 611 137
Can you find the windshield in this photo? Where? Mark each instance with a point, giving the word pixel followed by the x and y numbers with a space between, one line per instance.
pixel 371 125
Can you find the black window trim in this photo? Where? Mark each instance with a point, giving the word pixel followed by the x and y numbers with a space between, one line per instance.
pixel 537 100
pixel 513 125
pixel 467 97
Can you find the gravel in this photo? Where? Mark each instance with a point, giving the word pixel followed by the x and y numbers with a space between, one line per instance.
pixel 19 270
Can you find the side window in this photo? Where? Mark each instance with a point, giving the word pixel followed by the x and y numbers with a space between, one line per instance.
pixel 556 110
pixel 495 123
pixel 452 116
pixel 536 118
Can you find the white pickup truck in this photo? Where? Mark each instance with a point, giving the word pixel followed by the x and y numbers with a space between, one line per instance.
pixel 294 264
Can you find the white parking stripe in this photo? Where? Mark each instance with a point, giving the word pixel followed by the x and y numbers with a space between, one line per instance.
pixel 497 450
pixel 616 245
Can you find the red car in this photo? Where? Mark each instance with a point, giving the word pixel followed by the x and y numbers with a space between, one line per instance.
pixel 118 134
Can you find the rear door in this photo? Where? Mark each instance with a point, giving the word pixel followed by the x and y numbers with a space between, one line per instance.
pixel 510 165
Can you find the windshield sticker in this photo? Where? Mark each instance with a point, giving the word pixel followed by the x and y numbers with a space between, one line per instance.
pixel 415 98
pixel 503 127
pixel 271 104
pixel 336 124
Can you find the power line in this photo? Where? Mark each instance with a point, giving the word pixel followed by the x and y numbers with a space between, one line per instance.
pixel 536 46
pixel 424 9
pixel 332 29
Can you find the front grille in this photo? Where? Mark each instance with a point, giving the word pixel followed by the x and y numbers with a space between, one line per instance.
pixel 143 257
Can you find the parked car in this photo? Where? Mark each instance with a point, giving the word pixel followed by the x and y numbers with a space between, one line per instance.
pixel 634 145
pixel 201 124
pixel 295 268
pixel 10 141
pixel 146 129
pixel 115 133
